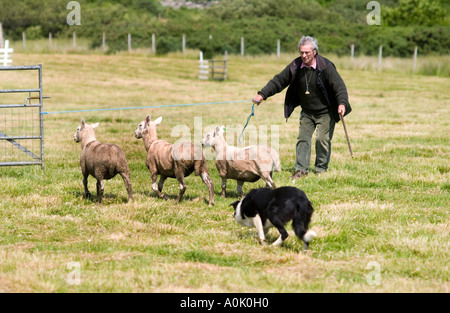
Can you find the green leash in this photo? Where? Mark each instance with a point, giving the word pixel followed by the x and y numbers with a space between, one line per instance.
pixel 248 119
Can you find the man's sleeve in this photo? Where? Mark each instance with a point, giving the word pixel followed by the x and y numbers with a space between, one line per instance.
pixel 337 84
pixel 276 84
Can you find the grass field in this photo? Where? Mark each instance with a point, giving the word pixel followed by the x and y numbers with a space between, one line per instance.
pixel 382 217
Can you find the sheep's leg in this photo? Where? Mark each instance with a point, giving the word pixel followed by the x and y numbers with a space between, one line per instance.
pixel 224 186
pixel 208 182
pixel 240 183
pixel 162 179
pixel 155 187
pixel 182 188
pixel 127 182
pixel 269 181
pixel 100 188
pixel 87 194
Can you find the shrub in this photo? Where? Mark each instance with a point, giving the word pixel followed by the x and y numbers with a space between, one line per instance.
pixel 34 32
pixel 167 44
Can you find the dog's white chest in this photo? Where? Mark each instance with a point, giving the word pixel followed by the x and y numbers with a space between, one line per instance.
pixel 248 221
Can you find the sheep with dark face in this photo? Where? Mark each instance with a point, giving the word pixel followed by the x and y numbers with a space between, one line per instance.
pixel 168 160
pixel 101 160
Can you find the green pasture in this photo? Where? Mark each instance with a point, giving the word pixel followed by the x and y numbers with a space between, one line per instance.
pixel 382 217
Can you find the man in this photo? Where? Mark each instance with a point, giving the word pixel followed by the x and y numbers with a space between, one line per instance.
pixel 315 85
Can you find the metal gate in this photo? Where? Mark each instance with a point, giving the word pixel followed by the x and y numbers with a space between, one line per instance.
pixel 22 124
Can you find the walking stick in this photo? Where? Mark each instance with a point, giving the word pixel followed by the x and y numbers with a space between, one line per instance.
pixel 346 134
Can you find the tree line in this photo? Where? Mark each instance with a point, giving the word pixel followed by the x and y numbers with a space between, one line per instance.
pixel 336 23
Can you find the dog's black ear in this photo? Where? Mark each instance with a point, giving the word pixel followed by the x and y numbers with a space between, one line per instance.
pixel 234 204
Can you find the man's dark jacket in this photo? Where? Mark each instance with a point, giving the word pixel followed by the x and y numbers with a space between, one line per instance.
pixel 329 83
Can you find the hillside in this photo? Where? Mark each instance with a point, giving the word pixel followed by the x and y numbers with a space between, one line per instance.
pixel 336 23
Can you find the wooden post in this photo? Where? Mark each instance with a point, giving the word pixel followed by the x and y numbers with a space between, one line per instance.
pixel 1 36
pixel 212 67
pixel 242 46
pixel 212 53
pixel 415 60
pixel 24 40
pixel 129 42
pixel 225 65
pixel 74 39
pixel 352 52
pixel 153 44
pixel 278 48
pixel 183 44
pixel 380 57
pixel 50 40
pixel 203 67
pixel 104 41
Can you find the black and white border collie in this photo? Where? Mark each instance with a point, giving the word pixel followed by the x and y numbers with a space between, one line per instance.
pixel 264 208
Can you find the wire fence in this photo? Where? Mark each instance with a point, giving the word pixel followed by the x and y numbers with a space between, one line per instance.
pixel 21 124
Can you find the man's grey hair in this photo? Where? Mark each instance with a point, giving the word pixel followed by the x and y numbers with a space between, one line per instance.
pixel 311 40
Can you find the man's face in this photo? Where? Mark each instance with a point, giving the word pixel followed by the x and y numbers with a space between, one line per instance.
pixel 307 54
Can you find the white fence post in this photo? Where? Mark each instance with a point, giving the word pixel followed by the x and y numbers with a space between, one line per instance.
pixel 415 60
pixel 203 67
pixel 5 51
pixel 153 44
pixel 278 48
pixel 380 57
pixel 104 42
pixel 242 46
pixel 352 52
pixel 1 35
pixel 225 57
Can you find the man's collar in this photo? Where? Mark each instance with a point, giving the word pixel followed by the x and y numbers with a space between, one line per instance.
pixel 314 65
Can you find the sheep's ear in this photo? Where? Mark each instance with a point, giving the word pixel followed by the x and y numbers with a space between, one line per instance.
pixel 158 120
pixel 94 125
pixel 216 131
pixel 221 130
pixel 83 123
pixel 147 119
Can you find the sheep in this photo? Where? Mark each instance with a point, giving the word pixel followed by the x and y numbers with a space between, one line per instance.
pixel 247 164
pixel 172 160
pixel 101 160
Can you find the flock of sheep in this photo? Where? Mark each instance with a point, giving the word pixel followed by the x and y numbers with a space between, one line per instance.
pixel 104 160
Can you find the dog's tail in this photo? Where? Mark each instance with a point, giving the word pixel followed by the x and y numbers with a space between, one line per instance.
pixel 309 234
pixel 301 223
